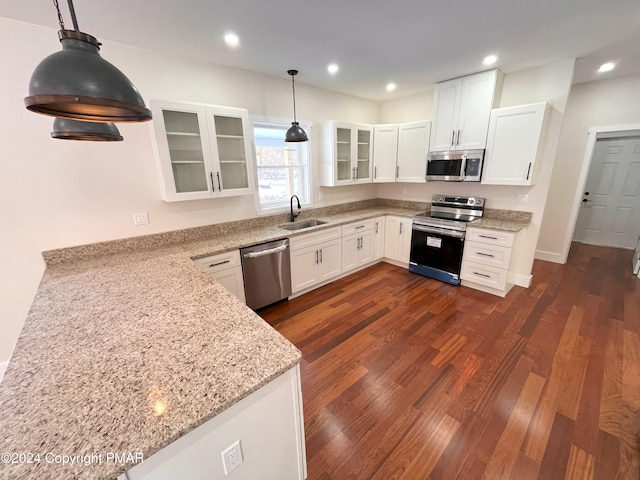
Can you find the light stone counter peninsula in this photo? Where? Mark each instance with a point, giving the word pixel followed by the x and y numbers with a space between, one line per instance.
pixel 128 346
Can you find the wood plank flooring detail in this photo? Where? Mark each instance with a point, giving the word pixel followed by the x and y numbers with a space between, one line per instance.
pixel 405 377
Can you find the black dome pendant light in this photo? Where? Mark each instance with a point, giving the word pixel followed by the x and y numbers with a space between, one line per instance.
pixel 67 129
pixel 295 132
pixel 78 83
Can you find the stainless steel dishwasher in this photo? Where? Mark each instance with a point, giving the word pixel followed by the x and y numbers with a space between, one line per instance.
pixel 267 273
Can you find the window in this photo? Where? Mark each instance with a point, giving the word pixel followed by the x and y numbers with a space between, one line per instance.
pixel 282 168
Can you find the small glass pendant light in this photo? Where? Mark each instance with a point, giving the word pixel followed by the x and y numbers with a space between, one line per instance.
pixel 67 129
pixel 78 83
pixel 295 132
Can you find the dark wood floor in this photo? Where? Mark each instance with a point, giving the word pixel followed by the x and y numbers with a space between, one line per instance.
pixel 406 377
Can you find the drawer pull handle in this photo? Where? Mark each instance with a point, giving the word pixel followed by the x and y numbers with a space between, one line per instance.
pixel 485 254
pixel 219 263
pixel 482 275
pixel 359 226
pixel 488 236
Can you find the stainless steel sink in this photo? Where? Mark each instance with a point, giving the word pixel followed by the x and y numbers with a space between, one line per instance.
pixel 303 224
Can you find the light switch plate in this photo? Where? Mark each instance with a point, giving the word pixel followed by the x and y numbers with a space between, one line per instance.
pixel 522 198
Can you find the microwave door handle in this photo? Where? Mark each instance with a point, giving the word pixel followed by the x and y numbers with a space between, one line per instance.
pixel 463 167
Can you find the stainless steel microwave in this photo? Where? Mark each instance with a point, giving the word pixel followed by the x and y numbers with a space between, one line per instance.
pixel 455 166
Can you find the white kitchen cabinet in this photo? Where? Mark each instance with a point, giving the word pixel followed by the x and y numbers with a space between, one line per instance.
pixel 385 153
pixel 378 237
pixel 461 111
pixel 413 146
pixel 486 260
pixel 203 151
pixel 397 240
pixel 514 144
pixel 357 244
pixel 400 152
pixel 315 258
pixel 347 154
pixel 226 269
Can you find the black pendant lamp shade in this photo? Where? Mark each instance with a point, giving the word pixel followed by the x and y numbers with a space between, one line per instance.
pixel 295 132
pixel 67 129
pixel 78 83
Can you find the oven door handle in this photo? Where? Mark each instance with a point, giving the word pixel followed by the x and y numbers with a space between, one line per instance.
pixel 441 231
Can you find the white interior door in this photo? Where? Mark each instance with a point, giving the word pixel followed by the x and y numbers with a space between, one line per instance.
pixel 610 213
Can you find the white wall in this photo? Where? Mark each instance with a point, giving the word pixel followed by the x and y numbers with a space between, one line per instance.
pixel 550 83
pixel 605 102
pixel 57 193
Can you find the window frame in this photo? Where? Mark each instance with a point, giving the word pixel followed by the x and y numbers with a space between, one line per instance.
pixel 262 209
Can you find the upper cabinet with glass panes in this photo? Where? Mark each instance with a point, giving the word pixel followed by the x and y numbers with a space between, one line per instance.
pixel 203 151
pixel 347 153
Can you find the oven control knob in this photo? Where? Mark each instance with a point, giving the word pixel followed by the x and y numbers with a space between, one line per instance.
pixel 472 201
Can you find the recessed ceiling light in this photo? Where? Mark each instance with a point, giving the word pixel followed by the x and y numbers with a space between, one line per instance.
pixel 231 39
pixel 391 87
pixel 333 68
pixel 490 60
pixel 607 67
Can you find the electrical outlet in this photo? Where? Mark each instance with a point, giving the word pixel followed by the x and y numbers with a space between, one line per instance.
pixel 522 198
pixel 140 218
pixel 232 457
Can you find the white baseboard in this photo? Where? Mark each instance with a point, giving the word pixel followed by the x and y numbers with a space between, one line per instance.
pixel 549 256
pixel 3 368
pixel 523 280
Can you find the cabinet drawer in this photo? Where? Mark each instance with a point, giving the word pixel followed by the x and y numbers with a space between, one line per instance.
pixel 487 254
pixel 308 239
pixel 484 274
pixel 217 263
pixel 357 227
pixel 492 237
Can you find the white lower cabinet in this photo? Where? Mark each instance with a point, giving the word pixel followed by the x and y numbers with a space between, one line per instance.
pixel 486 260
pixel 357 244
pixel 226 269
pixel 378 237
pixel 315 258
pixel 397 240
pixel 268 425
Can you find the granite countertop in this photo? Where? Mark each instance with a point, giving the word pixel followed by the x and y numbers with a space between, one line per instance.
pixel 128 346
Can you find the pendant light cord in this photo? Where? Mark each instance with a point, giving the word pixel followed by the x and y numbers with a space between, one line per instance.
pixel 293 85
pixel 73 15
pixel 60 19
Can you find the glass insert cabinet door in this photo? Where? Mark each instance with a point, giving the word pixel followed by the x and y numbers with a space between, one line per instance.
pixel 364 155
pixel 343 154
pixel 231 152
pixel 186 152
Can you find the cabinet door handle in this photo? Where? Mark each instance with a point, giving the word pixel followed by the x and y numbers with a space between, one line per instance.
pixel 376 228
pixel 219 263
pixel 356 176
pixel 317 257
pixel 320 255
pixel 400 228
pixel 453 137
pixel 219 184
pixel 397 171
pixel 485 254
pixel 488 236
pixel 458 139
pixel 212 184
pixel 528 170
pixel 482 275
pixel 375 172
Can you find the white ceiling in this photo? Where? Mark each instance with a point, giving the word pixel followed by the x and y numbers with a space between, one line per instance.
pixel 413 43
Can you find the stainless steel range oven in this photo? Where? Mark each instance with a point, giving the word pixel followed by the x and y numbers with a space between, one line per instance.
pixel 437 237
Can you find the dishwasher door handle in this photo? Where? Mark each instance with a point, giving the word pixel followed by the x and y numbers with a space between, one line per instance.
pixel 269 251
